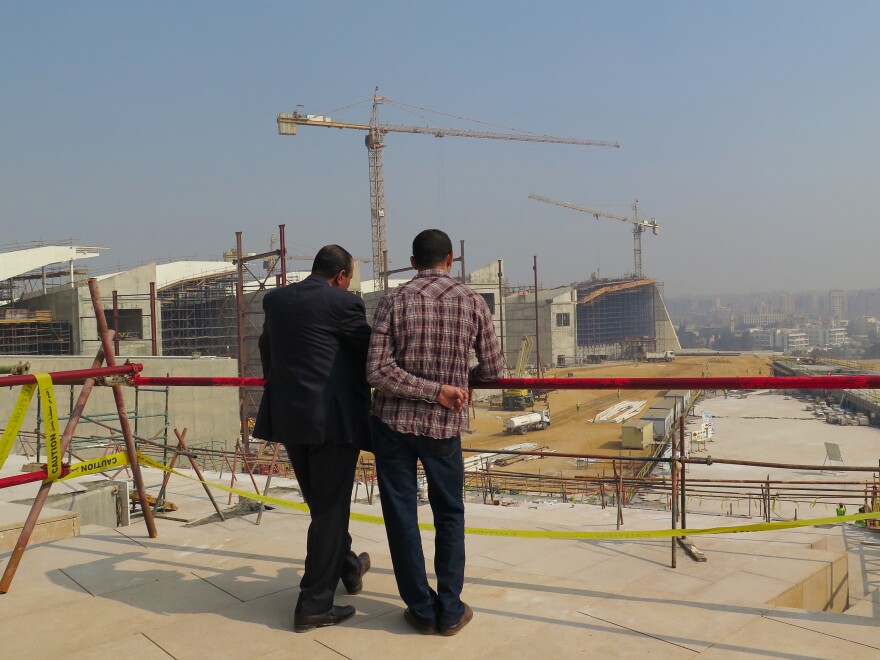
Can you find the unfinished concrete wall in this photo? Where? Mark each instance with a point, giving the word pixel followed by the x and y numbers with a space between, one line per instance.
pixel 210 413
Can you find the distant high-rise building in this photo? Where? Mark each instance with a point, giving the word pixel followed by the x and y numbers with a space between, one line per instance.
pixel 837 304
pixel 786 304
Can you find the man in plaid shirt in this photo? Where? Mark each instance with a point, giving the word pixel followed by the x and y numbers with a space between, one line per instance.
pixel 423 335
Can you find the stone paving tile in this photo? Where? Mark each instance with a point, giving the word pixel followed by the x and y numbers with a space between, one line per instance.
pixel 250 577
pixel 566 561
pixel 120 571
pixel 670 581
pixel 743 588
pixel 245 630
pixel 500 549
pixel 307 649
pixel 678 620
pixel 865 608
pixel 767 638
pixel 134 646
pixel 96 620
pixel 192 596
pixel 390 636
pixel 616 573
pixel 861 629
pixel 529 595
pixel 588 638
pixel 35 589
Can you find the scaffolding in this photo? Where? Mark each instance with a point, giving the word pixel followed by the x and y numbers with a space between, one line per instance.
pixel 615 318
pixel 198 317
pixel 27 332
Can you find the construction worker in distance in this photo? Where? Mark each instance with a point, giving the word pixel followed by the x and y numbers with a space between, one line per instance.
pixel 841 510
pixel 578 404
pixel 863 523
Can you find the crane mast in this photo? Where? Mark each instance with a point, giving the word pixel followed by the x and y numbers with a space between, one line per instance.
pixel 639 225
pixel 374 144
pixel 374 140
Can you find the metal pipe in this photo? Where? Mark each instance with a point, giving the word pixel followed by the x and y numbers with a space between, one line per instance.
pixel 239 318
pixel 115 322
pixel 182 444
pixel 537 325
pixel 501 309
pixel 714 382
pixel 28 477
pixel 75 376
pixel 282 247
pixel 463 272
pixel 268 482
pixel 154 342
pixel 119 398
pixel 682 457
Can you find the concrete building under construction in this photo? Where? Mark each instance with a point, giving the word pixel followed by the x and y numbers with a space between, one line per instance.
pixel 595 320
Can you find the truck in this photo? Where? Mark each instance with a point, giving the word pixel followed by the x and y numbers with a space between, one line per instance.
pixel 517 399
pixel 522 424
pixel 660 356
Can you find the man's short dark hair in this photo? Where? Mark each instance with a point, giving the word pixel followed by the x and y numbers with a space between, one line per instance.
pixel 430 248
pixel 330 260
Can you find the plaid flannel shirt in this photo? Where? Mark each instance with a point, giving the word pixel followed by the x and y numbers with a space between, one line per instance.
pixel 423 335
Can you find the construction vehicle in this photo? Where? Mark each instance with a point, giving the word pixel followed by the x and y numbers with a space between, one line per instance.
pixel 517 399
pixel 638 229
pixel 660 356
pixel 374 140
pixel 522 424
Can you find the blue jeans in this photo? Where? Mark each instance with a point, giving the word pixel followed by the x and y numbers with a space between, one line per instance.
pixel 396 457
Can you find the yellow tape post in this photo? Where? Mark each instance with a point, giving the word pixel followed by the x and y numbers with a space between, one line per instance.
pixel 538 533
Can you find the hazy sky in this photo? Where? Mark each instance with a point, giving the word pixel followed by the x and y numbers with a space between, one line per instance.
pixel 749 130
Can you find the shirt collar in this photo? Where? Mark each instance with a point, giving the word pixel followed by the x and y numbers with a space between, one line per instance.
pixel 433 272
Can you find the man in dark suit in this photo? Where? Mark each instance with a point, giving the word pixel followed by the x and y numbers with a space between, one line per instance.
pixel 316 402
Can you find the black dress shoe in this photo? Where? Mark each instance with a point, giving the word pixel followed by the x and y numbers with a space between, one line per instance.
pixel 420 624
pixel 357 586
pixel 456 627
pixel 336 614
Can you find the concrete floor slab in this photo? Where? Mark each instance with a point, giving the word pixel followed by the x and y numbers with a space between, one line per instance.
pixel 588 638
pixel 861 629
pixel 134 646
pixel 683 621
pixel 772 639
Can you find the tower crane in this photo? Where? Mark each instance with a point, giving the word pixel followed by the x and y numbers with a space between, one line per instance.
pixel 639 225
pixel 374 140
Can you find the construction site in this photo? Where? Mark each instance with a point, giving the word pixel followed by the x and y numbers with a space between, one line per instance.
pixel 623 497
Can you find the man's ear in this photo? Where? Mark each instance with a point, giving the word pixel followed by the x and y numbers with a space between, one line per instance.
pixel 412 261
pixel 449 260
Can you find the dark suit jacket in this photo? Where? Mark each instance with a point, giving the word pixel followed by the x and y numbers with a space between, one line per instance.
pixel 314 351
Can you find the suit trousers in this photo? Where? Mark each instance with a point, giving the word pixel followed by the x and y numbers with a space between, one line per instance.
pixel 397 455
pixel 325 474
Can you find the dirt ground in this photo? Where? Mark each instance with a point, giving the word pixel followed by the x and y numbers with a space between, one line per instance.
pixel 573 431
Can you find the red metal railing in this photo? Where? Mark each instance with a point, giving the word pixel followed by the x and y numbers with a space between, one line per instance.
pixel 696 382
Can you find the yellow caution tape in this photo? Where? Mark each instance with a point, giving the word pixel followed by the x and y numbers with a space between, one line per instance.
pixel 538 533
pixel 96 465
pixel 18 413
pixel 50 417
